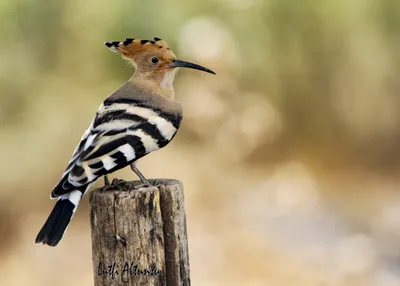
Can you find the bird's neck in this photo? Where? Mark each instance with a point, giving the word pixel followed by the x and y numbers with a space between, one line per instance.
pixel 161 84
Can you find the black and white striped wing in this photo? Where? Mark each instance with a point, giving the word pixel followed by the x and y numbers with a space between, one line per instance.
pixel 119 135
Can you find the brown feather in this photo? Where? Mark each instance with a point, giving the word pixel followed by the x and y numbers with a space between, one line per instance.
pixel 143 93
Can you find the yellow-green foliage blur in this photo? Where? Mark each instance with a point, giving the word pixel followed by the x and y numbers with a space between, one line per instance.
pixel 289 156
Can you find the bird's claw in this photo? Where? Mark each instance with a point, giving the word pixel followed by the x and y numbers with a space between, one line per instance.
pixel 144 184
pixel 115 183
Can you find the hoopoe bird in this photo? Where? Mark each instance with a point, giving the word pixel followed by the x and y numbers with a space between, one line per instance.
pixel 140 117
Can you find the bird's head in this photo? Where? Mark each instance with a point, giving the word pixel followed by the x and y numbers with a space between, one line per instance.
pixel 153 60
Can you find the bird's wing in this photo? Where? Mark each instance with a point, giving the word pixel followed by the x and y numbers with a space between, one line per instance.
pixel 119 134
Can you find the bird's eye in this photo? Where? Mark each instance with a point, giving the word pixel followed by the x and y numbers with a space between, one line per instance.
pixel 154 60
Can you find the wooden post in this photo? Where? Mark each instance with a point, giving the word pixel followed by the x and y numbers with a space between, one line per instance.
pixel 139 235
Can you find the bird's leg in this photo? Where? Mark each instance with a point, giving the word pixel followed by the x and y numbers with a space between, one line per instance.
pixel 145 182
pixel 106 181
pixel 107 184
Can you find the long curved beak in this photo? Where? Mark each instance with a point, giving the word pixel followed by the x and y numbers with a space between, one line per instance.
pixel 183 64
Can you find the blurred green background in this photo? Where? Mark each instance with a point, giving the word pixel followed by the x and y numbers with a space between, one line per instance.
pixel 289 156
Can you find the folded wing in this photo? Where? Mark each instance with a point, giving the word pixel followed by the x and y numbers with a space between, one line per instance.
pixel 119 135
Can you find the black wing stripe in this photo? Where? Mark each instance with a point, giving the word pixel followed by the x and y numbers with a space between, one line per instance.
pixel 151 130
pixel 175 119
pixel 114 132
pixel 116 115
pixel 136 144
pixel 117 154
pixel 110 101
pixel 96 165
pixel 106 148
pixel 77 171
pixel 83 181
pixel 121 160
pixel 100 172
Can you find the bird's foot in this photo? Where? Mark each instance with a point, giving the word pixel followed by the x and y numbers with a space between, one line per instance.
pixel 117 183
pixel 144 184
pixel 114 184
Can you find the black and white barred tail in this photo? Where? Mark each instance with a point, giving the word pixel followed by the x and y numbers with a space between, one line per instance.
pixel 58 220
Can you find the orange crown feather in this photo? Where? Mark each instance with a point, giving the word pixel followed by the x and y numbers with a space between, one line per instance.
pixel 131 47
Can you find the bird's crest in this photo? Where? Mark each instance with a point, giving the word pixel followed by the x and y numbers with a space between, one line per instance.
pixel 132 47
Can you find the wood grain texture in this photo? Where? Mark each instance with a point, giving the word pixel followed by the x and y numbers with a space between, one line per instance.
pixel 139 235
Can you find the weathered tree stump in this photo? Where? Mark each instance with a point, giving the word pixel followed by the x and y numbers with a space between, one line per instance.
pixel 139 235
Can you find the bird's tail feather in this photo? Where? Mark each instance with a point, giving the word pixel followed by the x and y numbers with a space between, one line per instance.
pixel 58 220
